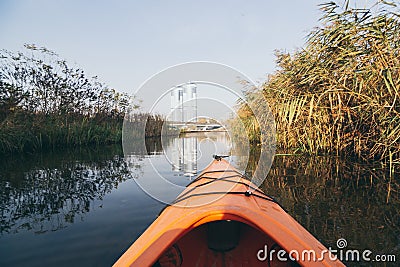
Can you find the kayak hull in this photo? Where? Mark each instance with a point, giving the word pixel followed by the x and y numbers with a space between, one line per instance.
pixel 221 219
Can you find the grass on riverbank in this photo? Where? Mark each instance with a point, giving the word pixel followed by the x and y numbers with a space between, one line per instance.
pixel 33 132
pixel 24 132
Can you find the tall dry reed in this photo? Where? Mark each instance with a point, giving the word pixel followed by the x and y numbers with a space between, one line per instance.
pixel 340 93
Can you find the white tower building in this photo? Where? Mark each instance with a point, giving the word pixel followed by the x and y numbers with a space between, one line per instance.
pixel 184 103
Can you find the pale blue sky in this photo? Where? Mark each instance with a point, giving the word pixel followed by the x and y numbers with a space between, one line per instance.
pixel 125 42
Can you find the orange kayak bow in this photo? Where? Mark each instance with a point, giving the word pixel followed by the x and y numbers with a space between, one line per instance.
pixel 222 219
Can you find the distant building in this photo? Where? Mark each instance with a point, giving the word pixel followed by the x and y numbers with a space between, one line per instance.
pixel 184 103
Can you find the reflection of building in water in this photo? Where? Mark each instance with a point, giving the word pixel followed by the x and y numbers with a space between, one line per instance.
pixel 184 103
pixel 193 151
pixel 183 155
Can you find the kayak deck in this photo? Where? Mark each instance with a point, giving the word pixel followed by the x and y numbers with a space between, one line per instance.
pixel 222 219
pixel 221 243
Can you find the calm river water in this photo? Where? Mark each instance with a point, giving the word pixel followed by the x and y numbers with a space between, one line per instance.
pixel 85 207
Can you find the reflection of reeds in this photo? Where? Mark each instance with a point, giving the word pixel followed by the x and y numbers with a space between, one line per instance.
pixel 340 93
pixel 333 198
pixel 51 190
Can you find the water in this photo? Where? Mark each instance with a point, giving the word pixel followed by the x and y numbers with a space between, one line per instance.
pixel 85 207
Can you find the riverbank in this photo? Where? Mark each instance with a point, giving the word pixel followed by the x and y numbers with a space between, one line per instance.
pixel 24 132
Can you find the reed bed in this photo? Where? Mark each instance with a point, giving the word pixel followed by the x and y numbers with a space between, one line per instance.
pixel 340 93
pixel 33 132
pixel 46 104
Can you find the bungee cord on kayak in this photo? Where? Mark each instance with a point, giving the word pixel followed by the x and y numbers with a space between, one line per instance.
pixel 225 179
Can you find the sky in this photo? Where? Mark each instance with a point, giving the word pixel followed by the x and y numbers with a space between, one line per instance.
pixel 126 42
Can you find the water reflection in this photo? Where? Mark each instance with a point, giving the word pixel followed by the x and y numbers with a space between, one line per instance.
pixel 185 153
pixel 183 157
pixel 332 198
pixel 336 199
pixel 46 192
